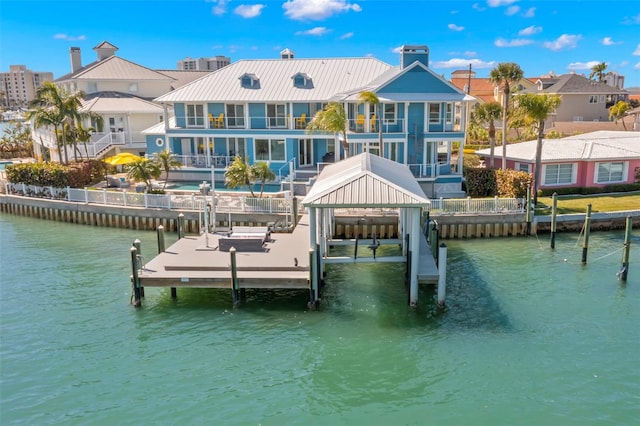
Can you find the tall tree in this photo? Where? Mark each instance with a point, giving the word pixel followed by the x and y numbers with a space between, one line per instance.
pixel 260 172
pixel 331 119
pixel 45 117
pixel 56 107
pixel 167 161
pixel 538 107
pixel 618 111
pixel 504 75
pixel 239 173
pixel 372 99
pixel 487 114
pixel 598 71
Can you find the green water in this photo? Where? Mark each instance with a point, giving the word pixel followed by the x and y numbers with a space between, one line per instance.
pixel 527 338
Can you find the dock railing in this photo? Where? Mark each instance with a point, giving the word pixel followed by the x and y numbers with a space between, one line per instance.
pixel 240 204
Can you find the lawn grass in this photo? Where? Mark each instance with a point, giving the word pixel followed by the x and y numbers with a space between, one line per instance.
pixel 568 204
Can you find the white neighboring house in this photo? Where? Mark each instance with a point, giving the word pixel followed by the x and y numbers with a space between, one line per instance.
pixel 119 91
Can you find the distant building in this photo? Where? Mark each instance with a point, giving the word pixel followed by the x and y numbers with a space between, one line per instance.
pixel 203 64
pixel 19 85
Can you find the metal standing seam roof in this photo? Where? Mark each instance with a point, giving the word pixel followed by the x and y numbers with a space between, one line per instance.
pixel 116 102
pixel 601 145
pixel 328 77
pixel 366 180
pixel 116 68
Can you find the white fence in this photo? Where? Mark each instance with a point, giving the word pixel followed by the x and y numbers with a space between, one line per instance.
pixel 239 204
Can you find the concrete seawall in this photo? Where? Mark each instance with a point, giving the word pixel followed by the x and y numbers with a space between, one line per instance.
pixel 458 226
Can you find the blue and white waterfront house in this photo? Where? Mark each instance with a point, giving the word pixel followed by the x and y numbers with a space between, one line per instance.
pixel 259 109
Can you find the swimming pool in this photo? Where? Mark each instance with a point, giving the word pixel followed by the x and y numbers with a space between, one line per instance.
pixel 4 164
pixel 220 186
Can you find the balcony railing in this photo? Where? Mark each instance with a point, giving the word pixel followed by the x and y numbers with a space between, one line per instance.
pixel 430 169
pixel 362 125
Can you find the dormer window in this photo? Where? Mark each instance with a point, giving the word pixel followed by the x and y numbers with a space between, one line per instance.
pixel 250 81
pixel 302 81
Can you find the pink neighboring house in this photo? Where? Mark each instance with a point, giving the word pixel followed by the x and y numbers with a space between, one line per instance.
pixel 591 159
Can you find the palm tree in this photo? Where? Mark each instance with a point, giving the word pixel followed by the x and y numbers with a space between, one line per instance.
pixel 143 170
pixel 487 114
pixel 167 161
pixel 261 172
pixel 618 112
pixel 372 99
pixel 238 173
pixel 331 119
pixel 505 74
pixel 598 71
pixel 538 108
pixel 63 111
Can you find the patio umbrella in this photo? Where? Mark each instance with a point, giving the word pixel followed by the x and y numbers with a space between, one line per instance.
pixel 122 158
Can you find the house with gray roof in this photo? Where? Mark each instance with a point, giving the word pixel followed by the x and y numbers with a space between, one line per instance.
pixel 122 93
pixel 593 159
pixel 582 99
pixel 259 109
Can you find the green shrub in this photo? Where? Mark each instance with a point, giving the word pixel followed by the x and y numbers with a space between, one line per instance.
pixel 579 190
pixel 76 175
pixel 513 183
pixel 480 182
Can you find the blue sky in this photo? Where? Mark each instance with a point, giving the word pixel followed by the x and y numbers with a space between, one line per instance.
pixel 541 36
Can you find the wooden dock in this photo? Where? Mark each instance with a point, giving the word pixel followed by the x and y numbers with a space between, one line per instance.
pixel 198 262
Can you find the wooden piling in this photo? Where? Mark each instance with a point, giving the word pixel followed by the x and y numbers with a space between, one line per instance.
pixel 180 226
pixel 234 276
pixel 587 229
pixel 160 235
pixel 442 274
pixel 135 280
pixel 626 249
pixel 554 213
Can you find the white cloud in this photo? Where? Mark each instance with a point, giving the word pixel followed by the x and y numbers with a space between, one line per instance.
pixel 631 20
pixel 454 12
pixel 608 41
pixel 637 51
pixel 498 3
pixel 637 66
pixel 582 65
pixel 477 7
pixel 317 9
pixel 529 31
pixel 470 53
pixel 346 36
pixel 512 10
pixel 463 63
pixel 624 63
pixel 396 49
pixel 249 11
pixel 454 27
pixel 565 41
pixel 220 8
pixel 516 42
pixel 317 31
pixel 69 38
pixel 530 13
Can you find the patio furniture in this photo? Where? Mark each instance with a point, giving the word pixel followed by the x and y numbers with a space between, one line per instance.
pixel 245 238
pixel 301 122
pixel 360 122
pixel 117 182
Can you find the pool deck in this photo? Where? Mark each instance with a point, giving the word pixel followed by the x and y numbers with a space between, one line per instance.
pixel 197 262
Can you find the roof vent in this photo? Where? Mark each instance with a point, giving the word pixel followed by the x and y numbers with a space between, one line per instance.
pixel 286 54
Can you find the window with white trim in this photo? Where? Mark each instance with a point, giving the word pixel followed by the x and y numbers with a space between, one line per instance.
pixel 276 114
pixel 611 172
pixel 523 167
pixel 449 113
pixel 434 113
pixel 558 174
pixel 195 115
pixel 269 149
pixel 235 115
pixel 389 113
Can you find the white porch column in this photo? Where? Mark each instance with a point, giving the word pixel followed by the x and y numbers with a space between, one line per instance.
pixel 322 239
pixel 415 255
pixel 313 234
pixel 461 156
pixel 402 229
pixel 406 133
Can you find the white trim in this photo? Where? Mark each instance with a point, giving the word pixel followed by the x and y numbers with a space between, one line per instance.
pixel 573 174
pixel 518 164
pixel 625 172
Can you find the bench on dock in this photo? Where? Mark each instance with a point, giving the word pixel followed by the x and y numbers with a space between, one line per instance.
pixel 245 238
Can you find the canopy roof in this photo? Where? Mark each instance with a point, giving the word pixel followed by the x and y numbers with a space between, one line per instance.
pixel 366 181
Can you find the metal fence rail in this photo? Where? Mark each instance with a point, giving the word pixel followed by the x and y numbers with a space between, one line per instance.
pixel 235 204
